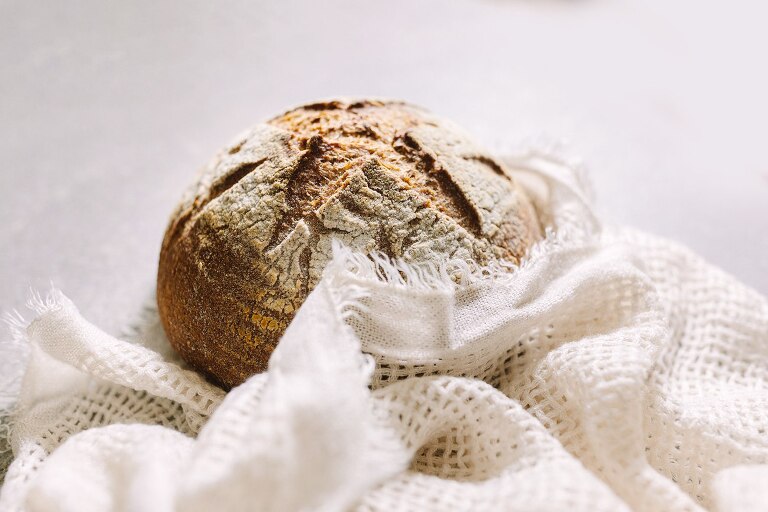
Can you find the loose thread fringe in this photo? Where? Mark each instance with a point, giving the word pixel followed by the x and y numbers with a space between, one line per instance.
pixel 39 304
pixel 350 268
pixel 17 326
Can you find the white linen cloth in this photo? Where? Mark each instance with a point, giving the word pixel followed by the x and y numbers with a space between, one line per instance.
pixel 611 371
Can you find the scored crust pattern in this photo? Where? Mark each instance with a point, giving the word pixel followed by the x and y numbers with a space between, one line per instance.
pixel 250 239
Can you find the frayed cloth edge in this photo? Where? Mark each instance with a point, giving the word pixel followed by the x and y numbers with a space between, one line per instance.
pixel 446 275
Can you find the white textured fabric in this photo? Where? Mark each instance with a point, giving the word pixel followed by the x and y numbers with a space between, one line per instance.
pixel 612 371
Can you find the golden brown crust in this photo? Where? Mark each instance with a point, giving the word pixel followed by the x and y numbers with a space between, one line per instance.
pixel 249 242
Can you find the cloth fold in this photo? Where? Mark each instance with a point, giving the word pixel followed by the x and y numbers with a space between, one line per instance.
pixel 611 370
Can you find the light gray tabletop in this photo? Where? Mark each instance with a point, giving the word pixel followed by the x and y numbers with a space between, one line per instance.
pixel 108 108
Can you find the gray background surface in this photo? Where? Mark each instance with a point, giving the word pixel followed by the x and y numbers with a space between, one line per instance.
pixel 108 109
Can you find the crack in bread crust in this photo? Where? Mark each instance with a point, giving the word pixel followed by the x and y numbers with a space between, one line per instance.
pixel 453 201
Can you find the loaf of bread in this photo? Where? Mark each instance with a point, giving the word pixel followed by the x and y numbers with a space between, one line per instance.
pixel 250 239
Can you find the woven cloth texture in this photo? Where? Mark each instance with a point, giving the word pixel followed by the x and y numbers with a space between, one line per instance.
pixel 612 370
